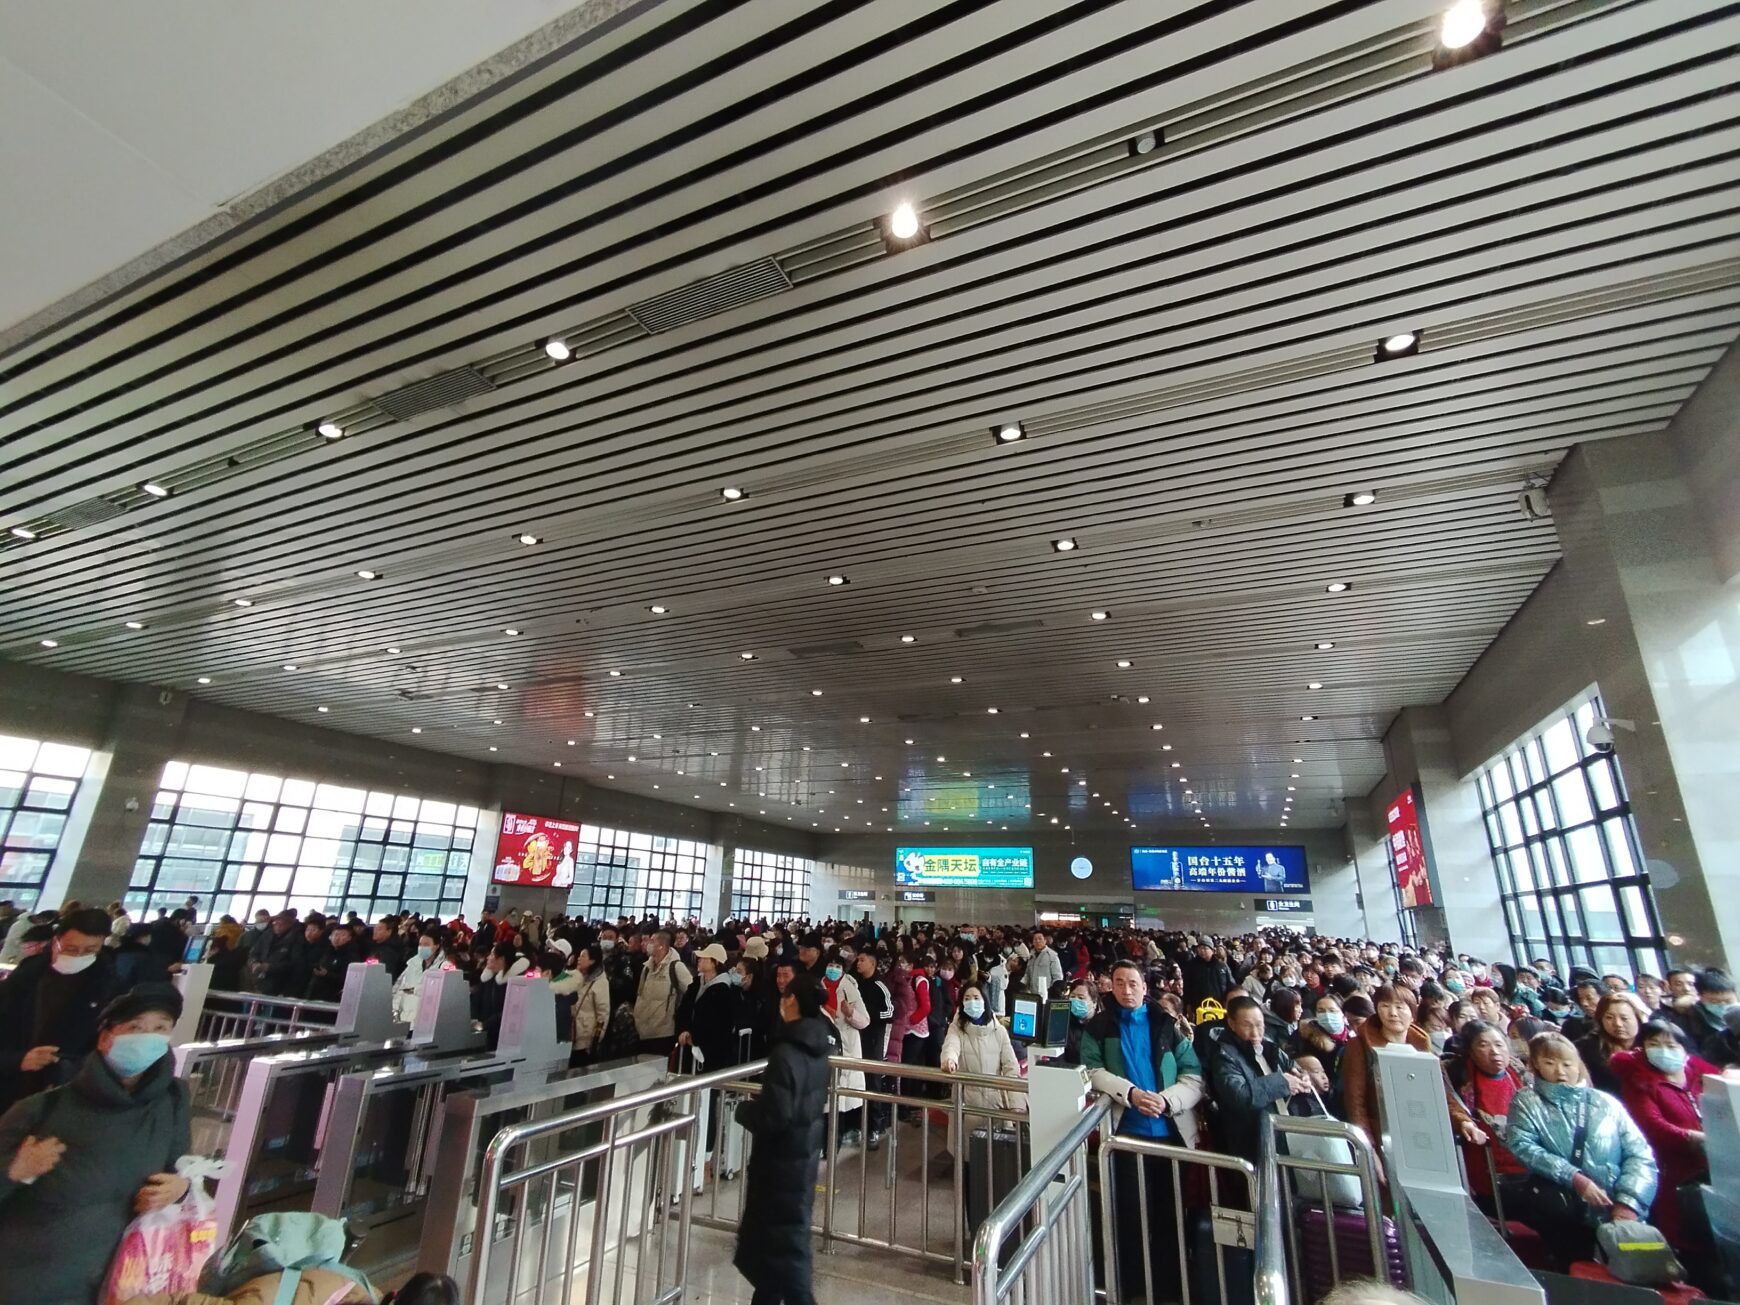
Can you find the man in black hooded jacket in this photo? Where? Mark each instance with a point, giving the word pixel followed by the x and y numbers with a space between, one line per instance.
pixel 774 1248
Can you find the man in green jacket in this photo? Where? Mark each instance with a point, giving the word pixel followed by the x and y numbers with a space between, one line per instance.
pixel 1134 1053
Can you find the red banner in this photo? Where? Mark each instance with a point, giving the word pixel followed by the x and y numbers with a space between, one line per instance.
pixel 1408 851
pixel 536 851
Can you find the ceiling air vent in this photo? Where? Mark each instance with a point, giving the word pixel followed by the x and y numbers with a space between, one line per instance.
pixel 88 513
pixel 441 391
pixel 840 648
pixel 999 627
pixel 711 295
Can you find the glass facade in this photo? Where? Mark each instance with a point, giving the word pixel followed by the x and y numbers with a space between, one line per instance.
pixel 1570 870
pixel 769 886
pixel 38 782
pixel 618 873
pixel 241 841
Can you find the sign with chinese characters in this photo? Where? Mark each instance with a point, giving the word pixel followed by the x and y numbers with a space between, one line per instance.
pixel 916 895
pixel 857 895
pixel 1220 869
pixel 535 851
pixel 964 867
pixel 1283 905
pixel 1408 851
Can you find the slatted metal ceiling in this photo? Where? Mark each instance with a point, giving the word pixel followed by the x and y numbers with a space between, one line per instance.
pixel 695 200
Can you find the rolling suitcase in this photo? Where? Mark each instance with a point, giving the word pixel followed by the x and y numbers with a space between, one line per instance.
pixel 1352 1250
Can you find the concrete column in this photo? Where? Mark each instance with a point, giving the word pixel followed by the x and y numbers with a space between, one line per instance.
pixel 1638 520
pixel 1365 847
pixel 1469 914
pixel 140 739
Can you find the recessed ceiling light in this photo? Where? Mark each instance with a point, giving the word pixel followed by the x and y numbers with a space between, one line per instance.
pixel 1165 747
pixel 509 631
pixel 1337 587
pixel 731 494
pixel 1156 726
pixel 903 223
pixel 23 532
pixel 1596 620
pixel 557 350
pixel 393 651
pixel 244 602
pixel 1399 345
pixel 942 758
pixel 1308 718
pixel 493 748
pixel 1142 699
pixel 957 679
pixel 1009 432
pixel 1462 25
pixel 1325 645
pixel 416 729
pixel 747 657
pixel 990 711
pixel 815 693
pixel 1298 761
pixel 1064 545
pixel 862 720
pixel 1124 664
pixel 658 609
pixel 1315 684
pixel 656 736
pixel 205 679
pixel 1045 754
pixel 290 666
pixel 368 575
pixel 837 580
pixel 908 638
pixel 1099 616
pixel 755 729
pixel 616 675
pixel 529 540
pixel 330 430
pixel 50 643
pixel 135 625
pixel 495 722
pixel 632 759
pixel 1359 498
pixel 323 710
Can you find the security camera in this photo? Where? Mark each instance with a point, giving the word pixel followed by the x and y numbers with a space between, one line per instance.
pixel 1599 736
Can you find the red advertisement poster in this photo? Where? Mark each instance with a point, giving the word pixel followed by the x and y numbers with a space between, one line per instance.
pixel 1408 852
pixel 535 851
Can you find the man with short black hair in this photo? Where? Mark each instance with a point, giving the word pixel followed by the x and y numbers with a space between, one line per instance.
pixel 49 1006
pixel 1703 1019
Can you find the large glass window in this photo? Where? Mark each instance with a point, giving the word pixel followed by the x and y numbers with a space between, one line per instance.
pixel 618 873
pixel 240 842
pixel 769 886
pixel 38 782
pixel 1570 871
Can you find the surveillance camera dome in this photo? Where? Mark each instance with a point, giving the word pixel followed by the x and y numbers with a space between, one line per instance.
pixel 1599 736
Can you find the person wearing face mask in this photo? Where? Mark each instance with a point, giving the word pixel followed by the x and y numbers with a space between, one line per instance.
pixel 50 1004
pixel 978 1044
pixel 1323 1034
pixel 80 1161
pixel 1702 1019
pixel 1662 1088
pixel 1082 1006
pixel 427 957
pixel 591 991
pixel 1590 1162
pixel 844 1005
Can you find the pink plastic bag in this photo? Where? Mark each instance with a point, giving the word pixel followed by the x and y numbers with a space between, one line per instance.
pixel 164 1251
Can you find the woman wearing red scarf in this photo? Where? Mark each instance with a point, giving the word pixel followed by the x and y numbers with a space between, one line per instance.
pixel 1485 1080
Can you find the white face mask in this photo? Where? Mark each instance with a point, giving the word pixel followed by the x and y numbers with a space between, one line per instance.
pixel 73 964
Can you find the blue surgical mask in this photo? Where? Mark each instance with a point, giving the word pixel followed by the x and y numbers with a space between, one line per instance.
pixel 974 1007
pixel 834 972
pixel 1669 1060
pixel 1563 1094
pixel 1078 1007
pixel 425 952
pixel 1331 1021
pixel 1454 985
pixel 1716 1009
pixel 134 1053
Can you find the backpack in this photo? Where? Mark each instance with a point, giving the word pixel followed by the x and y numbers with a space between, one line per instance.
pixel 1636 1253
pixel 622 1036
pixel 284 1244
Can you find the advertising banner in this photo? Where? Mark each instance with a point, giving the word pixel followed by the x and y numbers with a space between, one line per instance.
pixel 964 867
pixel 1219 869
pixel 1408 851
pixel 535 851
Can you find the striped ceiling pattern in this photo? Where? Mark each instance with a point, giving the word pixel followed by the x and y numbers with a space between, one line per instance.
pixel 1164 238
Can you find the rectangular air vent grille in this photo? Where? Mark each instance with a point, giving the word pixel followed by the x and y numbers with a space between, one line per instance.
pixel 839 648
pixel 88 513
pixel 711 295
pixel 441 391
pixel 1000 627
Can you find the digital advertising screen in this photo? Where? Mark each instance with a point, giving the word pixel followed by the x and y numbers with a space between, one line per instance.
pixel 535 851
pixel 1219 869
pixel 1408 851
pixel 963 867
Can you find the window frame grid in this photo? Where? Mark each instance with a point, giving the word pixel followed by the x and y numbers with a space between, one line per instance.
pixel 1547 915
pixel 240 889
pixel 770 886
pixel 668 880
pixel 26 894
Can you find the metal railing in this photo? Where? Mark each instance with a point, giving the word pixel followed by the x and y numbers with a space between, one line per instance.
pixel 638 1193
pixel 1052 1210
pixel 1269 1283
pixel 903 1218
pixel 251 1015
pixel 1322 1206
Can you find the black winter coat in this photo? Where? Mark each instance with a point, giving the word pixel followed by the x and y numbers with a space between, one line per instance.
pixel 1243 1091
pixel 275 960
pixel 27 997
pixel 774 1245
pixel 712 1021
pixel 1204 980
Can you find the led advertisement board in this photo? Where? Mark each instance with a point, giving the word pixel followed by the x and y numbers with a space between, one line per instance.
pixel 535 851
pixel 1219 869
pixel 963 867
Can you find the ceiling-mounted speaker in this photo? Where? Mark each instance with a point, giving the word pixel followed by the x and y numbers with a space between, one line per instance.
pixel 1534 504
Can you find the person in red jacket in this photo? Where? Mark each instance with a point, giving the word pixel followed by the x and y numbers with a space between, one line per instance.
pixel 1661 1085
pixel 1485 1080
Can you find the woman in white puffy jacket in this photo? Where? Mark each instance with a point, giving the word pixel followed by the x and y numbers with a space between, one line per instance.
pixel 977 1043
pixel 408 985
pixel 844 1005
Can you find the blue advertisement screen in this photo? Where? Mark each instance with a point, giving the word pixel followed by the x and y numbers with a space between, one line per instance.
pixel 963 867
pixel 1220 869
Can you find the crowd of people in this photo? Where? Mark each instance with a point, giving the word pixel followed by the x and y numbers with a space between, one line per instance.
pixel 1575 1097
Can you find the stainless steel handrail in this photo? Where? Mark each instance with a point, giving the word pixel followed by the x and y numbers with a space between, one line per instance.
pixel 1271 1254
pixel 990 1278
pixel 1364 1168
